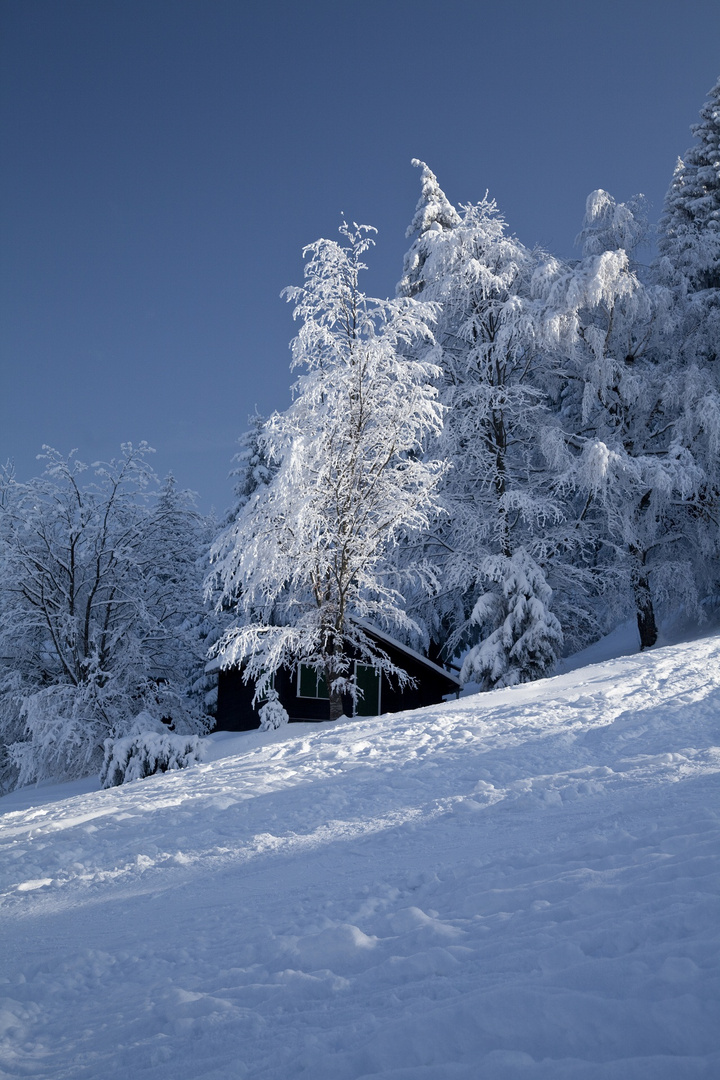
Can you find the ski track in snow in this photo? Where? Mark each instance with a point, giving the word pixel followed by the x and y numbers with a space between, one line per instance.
pixel 521 884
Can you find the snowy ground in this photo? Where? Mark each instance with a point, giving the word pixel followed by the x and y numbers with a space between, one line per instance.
pixel 516 885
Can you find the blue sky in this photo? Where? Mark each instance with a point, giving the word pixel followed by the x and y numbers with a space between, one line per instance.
pixel 165 161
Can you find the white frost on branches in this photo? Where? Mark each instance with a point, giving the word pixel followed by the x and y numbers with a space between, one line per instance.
pixel 144 754
pixel 311 550
pixel 496 379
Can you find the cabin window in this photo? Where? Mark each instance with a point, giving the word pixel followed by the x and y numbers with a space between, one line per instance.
pixel 368 680
pixel 311 683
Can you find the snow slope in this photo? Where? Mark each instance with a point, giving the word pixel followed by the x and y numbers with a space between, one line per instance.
pixel 521 885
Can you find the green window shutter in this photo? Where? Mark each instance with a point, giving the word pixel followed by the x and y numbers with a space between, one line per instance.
pixel 368 680
pixel 308 681
pixel 312 684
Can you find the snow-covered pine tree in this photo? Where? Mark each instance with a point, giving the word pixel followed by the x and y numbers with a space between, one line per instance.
pixel 689 263
pixel 434 214
pixel 272 713
pixel 178 539
pixel 689 230
pixel 311 552
pixel 254 467
pixel 497 497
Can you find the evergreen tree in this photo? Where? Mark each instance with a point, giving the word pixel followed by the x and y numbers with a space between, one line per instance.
pixel 497 496
pixel 272 713
pixel 520 637
pixel 434 214
pixel 254 467
pixel 689 263
pixel 689 233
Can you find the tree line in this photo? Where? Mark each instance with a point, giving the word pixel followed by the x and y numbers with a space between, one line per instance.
pixel 496 466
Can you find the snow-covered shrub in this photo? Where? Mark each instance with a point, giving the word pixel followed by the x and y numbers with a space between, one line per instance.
pixel 272 713
pixel 140 755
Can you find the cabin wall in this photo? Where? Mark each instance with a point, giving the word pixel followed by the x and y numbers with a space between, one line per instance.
pixel 430 688
pixel 235 710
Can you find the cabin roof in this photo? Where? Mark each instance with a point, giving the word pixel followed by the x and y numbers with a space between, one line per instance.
pixel 388 640
pixel 215 664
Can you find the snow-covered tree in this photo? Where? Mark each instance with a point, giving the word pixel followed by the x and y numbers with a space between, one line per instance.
pixel 612 226
pixel 100 599
pixel 434 214
pixel 689 263
pixel 254 467
pixel 310 553
pixel 495 378
pixel 520 637
pixel 689 233
pixel 272 713
pixel 149 749
pixel 620 413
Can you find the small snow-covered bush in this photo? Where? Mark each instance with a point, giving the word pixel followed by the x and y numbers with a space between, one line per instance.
pixel 143 754
pixel 272 713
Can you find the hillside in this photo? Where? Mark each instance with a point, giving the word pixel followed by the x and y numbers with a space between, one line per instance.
pixel 521 884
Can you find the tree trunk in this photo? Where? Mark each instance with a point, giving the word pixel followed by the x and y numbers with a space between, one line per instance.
pixel 641 587
pixel 333 666
pixel 645 614
pixel 335 702
pixel 644 605
pixel 336 705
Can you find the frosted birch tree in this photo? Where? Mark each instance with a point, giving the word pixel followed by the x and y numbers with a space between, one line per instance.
pixel 309 556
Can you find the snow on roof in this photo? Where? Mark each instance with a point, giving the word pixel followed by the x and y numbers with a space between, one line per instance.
pixel 382 636
pixel 215 664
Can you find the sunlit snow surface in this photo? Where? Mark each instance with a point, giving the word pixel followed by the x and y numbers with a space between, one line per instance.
pixel 518 885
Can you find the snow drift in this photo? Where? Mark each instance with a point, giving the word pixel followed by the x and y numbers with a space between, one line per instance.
pixel 521 884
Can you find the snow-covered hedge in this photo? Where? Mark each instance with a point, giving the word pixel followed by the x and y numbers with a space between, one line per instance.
pixel 141 755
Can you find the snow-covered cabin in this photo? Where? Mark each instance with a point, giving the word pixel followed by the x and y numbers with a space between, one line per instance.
pixel 303 693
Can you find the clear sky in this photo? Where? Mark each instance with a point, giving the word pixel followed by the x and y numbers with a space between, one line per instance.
pixel 165 161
